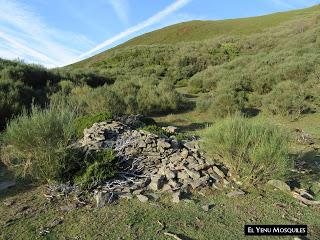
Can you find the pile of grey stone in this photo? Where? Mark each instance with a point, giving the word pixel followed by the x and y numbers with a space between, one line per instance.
pixel 151 163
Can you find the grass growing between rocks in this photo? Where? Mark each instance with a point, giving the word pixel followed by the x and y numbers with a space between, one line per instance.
pixel 31 213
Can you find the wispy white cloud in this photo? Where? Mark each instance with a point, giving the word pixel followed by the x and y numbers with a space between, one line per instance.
pixel 291 4
pixel 25 50
pixel 282 3
pixel 121 8
pixel 26 34
pixel 178 4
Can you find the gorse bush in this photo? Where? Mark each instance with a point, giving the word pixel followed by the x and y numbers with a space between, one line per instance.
pixel 254 151
pixel 37 145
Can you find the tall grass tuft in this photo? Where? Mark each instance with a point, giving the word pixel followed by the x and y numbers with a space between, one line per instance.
pixel 36 144
pixel 254 151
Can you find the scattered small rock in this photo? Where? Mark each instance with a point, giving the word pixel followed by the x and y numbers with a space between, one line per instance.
pixel 8 203
pixel 236 193
pixel 154 196
pixel 207 207
pixel 100 198
pixel 192 173
pixel 137 192
pixel 218 172
pixel 176 197
pixel 56 222
pixel 157 182
pixel 68 208
pixel 126 196
pixel 142 198
pixel 279 185
pixel 170 129
pixel 306 195
pixel 44 231
pixel 184 153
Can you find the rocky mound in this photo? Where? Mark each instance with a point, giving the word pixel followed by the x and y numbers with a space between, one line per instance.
pixel 148 162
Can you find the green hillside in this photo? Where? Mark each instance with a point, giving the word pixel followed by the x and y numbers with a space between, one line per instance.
pixel 204 30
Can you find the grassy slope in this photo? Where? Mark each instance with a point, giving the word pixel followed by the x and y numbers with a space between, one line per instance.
pixel 133 220
pixel 203 30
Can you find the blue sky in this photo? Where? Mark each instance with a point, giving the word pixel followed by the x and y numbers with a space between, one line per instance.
pixel 58 32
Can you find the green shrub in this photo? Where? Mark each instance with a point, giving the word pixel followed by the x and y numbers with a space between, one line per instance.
pixel 158 98
pixel 103 99
pixel 99 167
pixel 229 98
pixel 66 86
pixel 87 121
pixel 155 130
pixel 287 99
pixel 37 145
pixel 182 136
pixel 254 151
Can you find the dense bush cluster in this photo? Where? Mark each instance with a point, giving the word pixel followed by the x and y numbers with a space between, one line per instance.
pixel 254 151
pixel 124 98
pixel 278 76
pixel 37 145
pixel 22 85
pixel 90 91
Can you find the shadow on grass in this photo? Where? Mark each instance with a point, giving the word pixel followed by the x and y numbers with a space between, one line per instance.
pixel 184 107
pixel 20 186
pixel 183 237
pixel 306 168
pixel 194 126
pixel 251 112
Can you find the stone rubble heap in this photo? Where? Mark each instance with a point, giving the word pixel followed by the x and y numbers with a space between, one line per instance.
pixel 148 162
